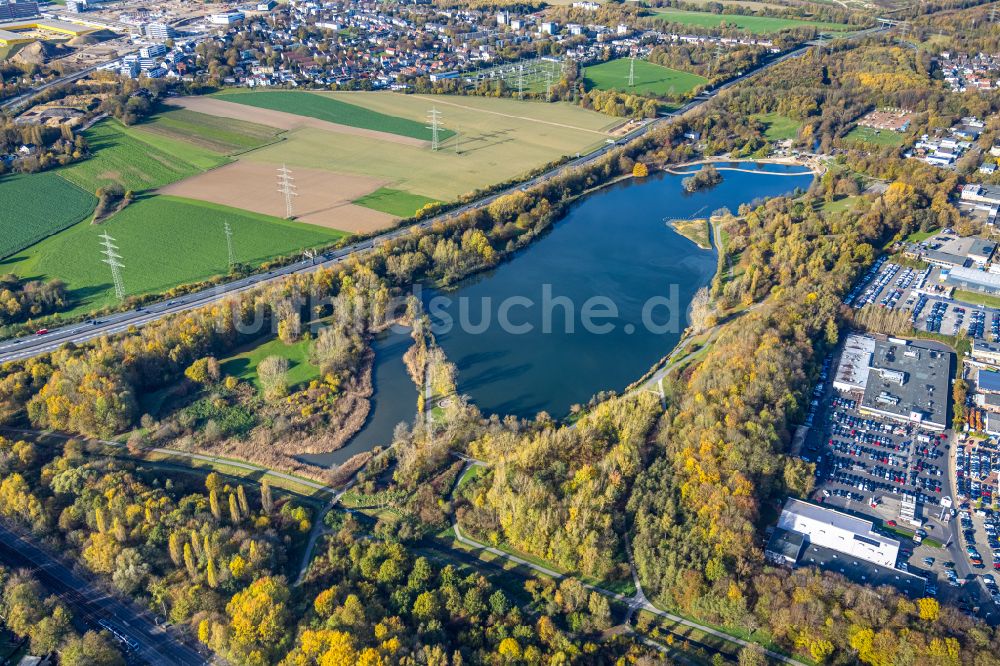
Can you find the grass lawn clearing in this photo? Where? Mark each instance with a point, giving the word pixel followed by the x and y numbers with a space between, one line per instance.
pixel 975 298
pixel 136 160
pixel 164 241
pixel 36 206
pixel 778 127
pixel 918 236
pixel 758 25
pixel 695 231
pixel 224 136
pixel 650 78
pixel 394 202
pixel 838 205
pixel 875 137
pixel 243 365
pixel 332 110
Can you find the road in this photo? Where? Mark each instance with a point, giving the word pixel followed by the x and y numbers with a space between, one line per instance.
pixel 29 346
pixel 13 103
pixel 89 604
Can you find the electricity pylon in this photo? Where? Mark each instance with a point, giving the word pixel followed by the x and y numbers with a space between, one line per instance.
pixel 229 243
pixel 435 118
pixel 114 260
pixel 286 186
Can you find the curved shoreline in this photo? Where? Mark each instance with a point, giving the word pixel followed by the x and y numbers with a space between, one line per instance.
pixel 754 171
pixel 810 166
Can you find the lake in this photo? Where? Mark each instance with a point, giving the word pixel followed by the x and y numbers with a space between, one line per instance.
pixel 588 307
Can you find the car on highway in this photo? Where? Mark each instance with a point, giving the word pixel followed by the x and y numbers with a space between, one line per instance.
pixel 41 331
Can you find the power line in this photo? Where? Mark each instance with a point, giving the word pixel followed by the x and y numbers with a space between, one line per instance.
pixel 631 72
pixel 114 260
pixel 286 186
pixel 548 85
pixel 229 243
pixel 435 119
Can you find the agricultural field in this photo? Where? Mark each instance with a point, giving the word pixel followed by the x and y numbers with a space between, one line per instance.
pixel 38 205
pixel 332 110
pixel 225 136
pixel 650 79
pixel 243 364
pixel 164 241
pixel 778 127
pixel 394 202
pixel 136 160
pixel 758 25
pixel 496 139
pixel 323 198
pixel 875 137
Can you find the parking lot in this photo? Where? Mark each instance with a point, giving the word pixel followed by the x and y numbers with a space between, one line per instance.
pixel 864 458
pixel 867 464
pixel 919 292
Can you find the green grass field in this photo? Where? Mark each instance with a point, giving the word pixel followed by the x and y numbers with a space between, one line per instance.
pixel 332 110
pixel 38 205
pixel 394 202
pixel 778 127
pixel 497 139
pixel 243 365
pixel 875 137
pixel 164 241
pixel 136 160
pixel 975 298
pixel 225 136
pixel 650 79
pixel 758 25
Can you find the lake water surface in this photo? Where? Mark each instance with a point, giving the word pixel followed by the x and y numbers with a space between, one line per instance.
pixel 590 306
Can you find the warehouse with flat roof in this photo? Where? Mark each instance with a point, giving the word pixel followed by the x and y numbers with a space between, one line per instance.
pixel 910 383
pixel 814 535
pixel 972 279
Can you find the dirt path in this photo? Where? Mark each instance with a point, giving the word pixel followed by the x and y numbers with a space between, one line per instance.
pixel 282 120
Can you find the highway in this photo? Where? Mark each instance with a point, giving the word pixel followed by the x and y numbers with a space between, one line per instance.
pixel 90 605
pixel 34 345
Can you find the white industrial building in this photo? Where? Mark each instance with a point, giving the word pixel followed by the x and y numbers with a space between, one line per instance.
pixel 227 18
pixel 839 531
pixel 855 362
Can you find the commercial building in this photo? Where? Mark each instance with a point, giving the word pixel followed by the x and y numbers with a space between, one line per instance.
pixel 855 362
pixel 22 32
pixel 986 352
pixel 153 51
pixel 909 383
pixel 973 279
pixel 809 534
pixel 160 31
pixel 13 10
pixel 949 250
pixel 838 531
pixel 227 18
